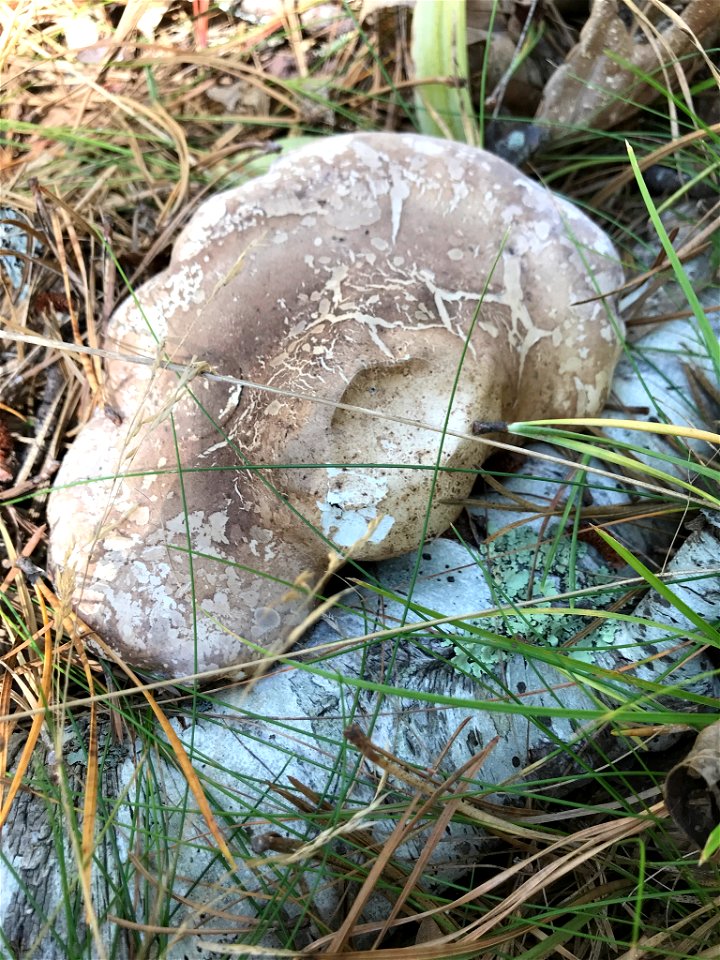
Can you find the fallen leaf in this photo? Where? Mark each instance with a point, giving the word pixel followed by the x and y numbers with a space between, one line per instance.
pixel 692 788
pixel 594 87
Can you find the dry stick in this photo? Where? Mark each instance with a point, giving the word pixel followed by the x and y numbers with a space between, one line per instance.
pixel 693 247
pixel 384 90
pixel 89 301
pixel 293 30
pixel 496 97
pixel 85 359
pixel 48 414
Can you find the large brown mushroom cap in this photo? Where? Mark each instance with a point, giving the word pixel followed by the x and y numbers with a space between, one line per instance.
pixel 351 272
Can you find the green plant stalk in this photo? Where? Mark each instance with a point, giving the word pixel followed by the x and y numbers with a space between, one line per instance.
pixel 712 845
pixel 484 74
pixel 600 445
pixel 661 429
pixel 439 49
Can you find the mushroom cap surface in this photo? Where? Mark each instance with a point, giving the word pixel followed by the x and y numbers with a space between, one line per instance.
pixel 395 272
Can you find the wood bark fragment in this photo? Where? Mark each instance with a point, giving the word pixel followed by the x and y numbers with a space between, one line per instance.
pixel 603 80
pixel 692 788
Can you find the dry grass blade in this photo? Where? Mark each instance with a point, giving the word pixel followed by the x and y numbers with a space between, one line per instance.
pixel 449 810
pixel 180 754
pixel 404 828
pixel 627 176
pixel 654 944
pixel 90 803
pixel 698 18
pixel 396 768
pixel 42 697
pixel 692 248
pixel 591 842
pixel 339 940
pixel 7 725
pixel 94 374
pixel 79 633
pixel 416 952
pixel 91 781
pixel 360 839
pixel 90 364
pixel 9 664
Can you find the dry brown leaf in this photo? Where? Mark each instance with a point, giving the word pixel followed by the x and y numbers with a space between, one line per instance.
pixel 692 788
pixel 428 931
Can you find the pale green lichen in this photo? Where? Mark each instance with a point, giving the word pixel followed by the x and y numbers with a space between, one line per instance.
pixel 518 568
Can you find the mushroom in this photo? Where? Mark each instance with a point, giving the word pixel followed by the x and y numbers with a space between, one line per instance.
pixel 394 272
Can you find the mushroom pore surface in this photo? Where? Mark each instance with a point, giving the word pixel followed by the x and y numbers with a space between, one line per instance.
pixel 388 271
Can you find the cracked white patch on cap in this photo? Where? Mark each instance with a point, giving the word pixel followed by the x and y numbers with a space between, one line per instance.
pixel 350 506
